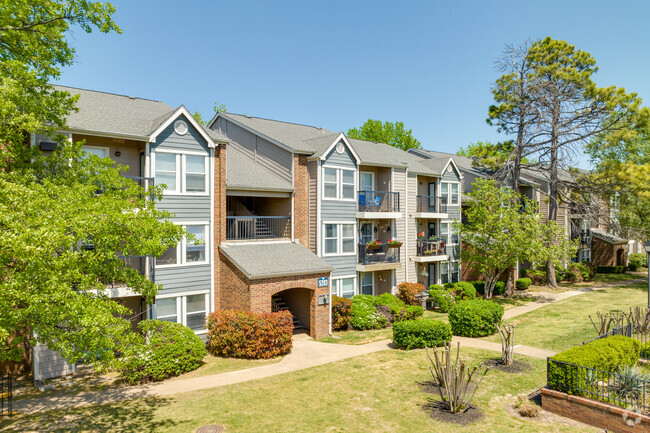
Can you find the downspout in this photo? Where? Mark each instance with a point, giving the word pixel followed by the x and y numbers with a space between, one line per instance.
pixel 406 224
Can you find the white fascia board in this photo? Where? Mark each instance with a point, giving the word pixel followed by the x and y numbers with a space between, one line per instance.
pixel 451 161
pixel 181 110
pixel 338 138
pixel 104 134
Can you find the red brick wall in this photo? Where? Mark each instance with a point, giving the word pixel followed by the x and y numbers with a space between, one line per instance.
pixel 235 287
pixel 301 199
pixel 596 413
pixel 604 254
pixel 219 219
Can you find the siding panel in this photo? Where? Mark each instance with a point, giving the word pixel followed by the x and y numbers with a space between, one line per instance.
pixel 399 185
pixel 312 167
pixel 411 235
pixel 344 159
pixel 183 278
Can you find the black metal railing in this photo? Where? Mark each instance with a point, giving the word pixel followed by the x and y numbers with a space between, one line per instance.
pixel 609 387
pixel 373 254
pixel 625 330
pixel 6 396
pixel 430 247
pixel 430 203
pixel 378 201
pixel 630 330
pixel 258 227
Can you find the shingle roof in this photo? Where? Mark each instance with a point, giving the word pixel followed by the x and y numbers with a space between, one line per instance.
pixel 243 173
pixel 271 259
pixel 607 237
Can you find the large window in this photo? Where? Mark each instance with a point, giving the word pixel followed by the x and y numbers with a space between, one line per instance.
pixel 449 234
pixel 449 272
pixel 338 183
pixel 444 273
pixel 444 232
pixel 181 173
pixel 455 272
pixel 338 239
pixel 450 193
pixel 367 283
pixel 344 287
pixel 189 310
pixel 187 251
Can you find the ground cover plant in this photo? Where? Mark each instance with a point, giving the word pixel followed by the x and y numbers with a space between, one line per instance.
pixel 475 318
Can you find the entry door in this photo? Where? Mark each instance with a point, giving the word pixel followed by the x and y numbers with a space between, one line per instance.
pixel 366 233
pixel 432 230
pixel 367 182
pixel 432 274
pixel 432 195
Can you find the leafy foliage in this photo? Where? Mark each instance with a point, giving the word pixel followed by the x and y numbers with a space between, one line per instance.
pixel 611 269
pixel 167 349
pixel 341 313
pixel 244 334
pixel 421 333
pixel 464 290
pixel 637 260
pixel 475 318
pixel 490 155
pixel 407 292
pixel 443 298
pixel 387 132
pixel 523 283
pixel 365 315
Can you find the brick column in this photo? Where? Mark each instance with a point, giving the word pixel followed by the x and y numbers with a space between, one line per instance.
pixel 219 218
pixel 301 199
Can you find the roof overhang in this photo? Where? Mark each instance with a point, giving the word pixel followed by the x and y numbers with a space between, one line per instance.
pixel 451 162
pixel 253 131
pixel 105 134
pixel 340 137
pixel 182 110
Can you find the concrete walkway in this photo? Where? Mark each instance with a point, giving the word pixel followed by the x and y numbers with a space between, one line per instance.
pixel 306 353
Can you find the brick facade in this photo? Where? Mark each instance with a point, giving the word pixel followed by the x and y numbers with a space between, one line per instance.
pixel 219 220
pixel 612 418
pixel 606 254
pixel 301 200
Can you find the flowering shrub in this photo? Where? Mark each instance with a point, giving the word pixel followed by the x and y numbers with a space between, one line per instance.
pixel 244 334
pixel 365 315
pixel 168 349
pixel 341 313
pixel 407 291
pixel 421 235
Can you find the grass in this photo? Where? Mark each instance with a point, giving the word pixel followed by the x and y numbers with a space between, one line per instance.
pixel 563 324
pixel 378 392
pixel 599 280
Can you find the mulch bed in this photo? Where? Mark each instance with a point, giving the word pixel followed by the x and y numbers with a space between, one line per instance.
pixel 516 367
pixel 437 411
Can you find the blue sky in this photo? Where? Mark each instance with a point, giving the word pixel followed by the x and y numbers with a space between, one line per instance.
pixel 335 64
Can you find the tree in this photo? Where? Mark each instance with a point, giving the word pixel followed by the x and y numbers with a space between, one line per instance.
pixel 387 132
pixel 67 219
pixel 493 156
pixel 218 108
pixel 502 228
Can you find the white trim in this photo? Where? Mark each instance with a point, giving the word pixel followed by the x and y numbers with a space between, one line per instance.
pixel 341 137
pixel 211 230
pixel 106 149
pixel 181 110
pixel 319 188
pixel 449 183
pixel 374 184
pixel 406 221
pixel 339 238
pixel 181 247
pixel 187 293
pixel 379 215
pixel 451 161
pixel 339 183
pixel 355 287
pixel 105 134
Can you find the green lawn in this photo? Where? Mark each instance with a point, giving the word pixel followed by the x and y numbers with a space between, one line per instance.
pixel 599 280
pixel 566 323
pixel 378 392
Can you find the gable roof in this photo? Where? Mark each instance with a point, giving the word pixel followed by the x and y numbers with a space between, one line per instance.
pixel 243 173
pixel 608 237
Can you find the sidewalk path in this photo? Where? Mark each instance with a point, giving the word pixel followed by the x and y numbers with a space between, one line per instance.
pixel 306 353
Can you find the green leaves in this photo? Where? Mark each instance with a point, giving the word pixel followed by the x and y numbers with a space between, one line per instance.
pixel 388 132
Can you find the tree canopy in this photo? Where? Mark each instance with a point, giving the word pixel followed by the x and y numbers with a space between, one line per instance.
pixel 387 132
pixel 490 155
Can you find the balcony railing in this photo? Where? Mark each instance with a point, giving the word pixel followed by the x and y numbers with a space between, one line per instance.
pixel 373 254
pixel 430 203
pixel 258 227
pixel 430 247
pixel 378 201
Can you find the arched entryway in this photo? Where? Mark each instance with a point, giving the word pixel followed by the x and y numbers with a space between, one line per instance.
pixel 300 302
pixel 620 257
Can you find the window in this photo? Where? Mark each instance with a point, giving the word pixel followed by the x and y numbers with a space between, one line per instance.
pixel 367 283
pixel 454 193
pixel 101 152
pixel 338 183
pixel 189 310
pixel 166 170
pixel 450 193
pixel 432 274
pixel 455 274
pixel 367 181
pixel 444 232
pixel 343 287
pixel 339 239
pixel 187 252
pixel 444 273
pixel 195 175
pixel 444 192
pixel 454 235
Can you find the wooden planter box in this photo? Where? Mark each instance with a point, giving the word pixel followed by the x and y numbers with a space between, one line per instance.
pixel 372 247
pixel 395 245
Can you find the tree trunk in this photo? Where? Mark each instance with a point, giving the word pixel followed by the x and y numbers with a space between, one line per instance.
pixel 553 190
pixel 510 282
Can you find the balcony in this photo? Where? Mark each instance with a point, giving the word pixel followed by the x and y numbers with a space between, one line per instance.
pixel 257 227
pixel 120 289
pixel 429 206
pixel 430 250
pixel 378 204
pixel 378 257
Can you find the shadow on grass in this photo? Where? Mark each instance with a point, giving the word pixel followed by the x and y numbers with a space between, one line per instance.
pixel 517 300
pixel 121 417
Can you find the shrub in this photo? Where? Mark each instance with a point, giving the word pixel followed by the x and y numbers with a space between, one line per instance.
pixel 475 318
pixel 536 276
pixel 645 351
pixel 479 286
pixel 561 273
pixel 412 312
pixel 573 275
pixel 523 283
pixel 421 333
pixel 341 313
pixel 449 286
pixel 365 315
pixel 611 269
pixel 244 334
pixel 436 287
pixel 605 354
pixel 584 271
pixel 389 300
pixel 637 260
pixel 407 291
pixel 444 299
pixel 464 290
pixel 169 349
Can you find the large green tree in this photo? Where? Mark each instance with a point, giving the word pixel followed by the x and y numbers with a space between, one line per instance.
pixel 67 220
pixel 387 132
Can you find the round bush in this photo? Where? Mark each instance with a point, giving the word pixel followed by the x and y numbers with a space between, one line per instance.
pixel 389 300
pixel 407 292
pixel 168 349
pixel 436 287
pixel 523 283
pixel 637 260
pixel 475 318
pixel 365 315
pixel 464 290
pixel 421 333
pixel 444 299
pixel 341 313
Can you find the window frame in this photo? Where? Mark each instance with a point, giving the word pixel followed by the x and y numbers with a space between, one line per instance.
pixel 337 285
pixel 449 195
pixel 372 282
pixel 447 274
pixel 181 306
pixel 452 272
pixel 339 238
pixel 339 183
pixel 206 171
pixel 181 247
pixel 181 172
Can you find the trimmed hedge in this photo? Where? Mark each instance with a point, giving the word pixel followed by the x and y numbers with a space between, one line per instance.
pixel 421 333
pixel 464 290
pixel 499 287
pixel 365 315
pixel 637 260
pixel 244 334
pixel 605 354
pixel 523 283
pixel 443 298
pixel 169 349
pixel 407 291
pixel 585 272
pixel 475 318
pixel 341 313
pixel 611 269
pixel 645 351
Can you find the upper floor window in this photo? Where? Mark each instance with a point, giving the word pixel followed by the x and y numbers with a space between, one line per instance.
pixel 181 173
pixel 338 239
pixel 338 183
pixel 450 192
pixel 448 233
pixel 186 251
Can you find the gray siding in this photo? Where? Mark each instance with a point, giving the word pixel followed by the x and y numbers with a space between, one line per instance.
pixel 183 278
pixel 332 210
pixel 453 211
pixel 264 153
pixel 344 159
pixel 49 364
pixel 187 207
pixel 343 265
pixel 169 139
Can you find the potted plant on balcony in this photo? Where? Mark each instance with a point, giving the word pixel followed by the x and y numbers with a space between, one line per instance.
pixel 373 245
pixel 421 235
pixel 442 244
pixel 439 251
pixel 394 244
pixel 428 252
